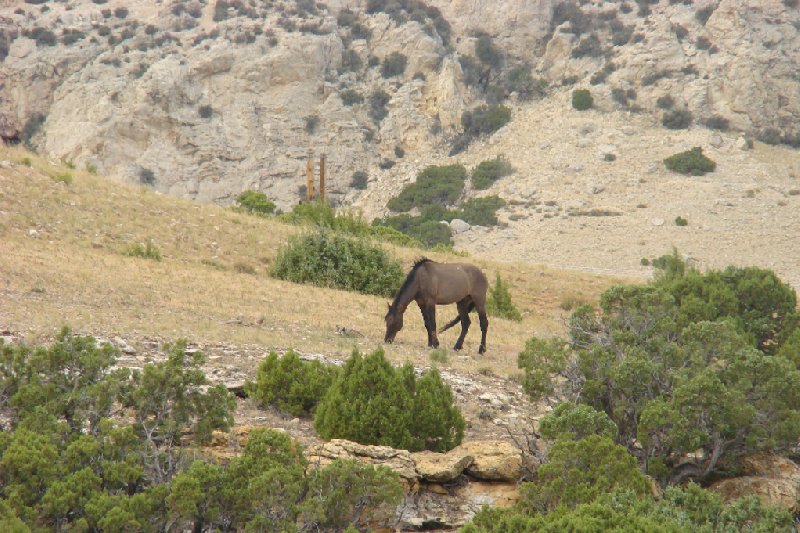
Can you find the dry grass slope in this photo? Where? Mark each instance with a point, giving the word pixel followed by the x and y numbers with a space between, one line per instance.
pixel 63 250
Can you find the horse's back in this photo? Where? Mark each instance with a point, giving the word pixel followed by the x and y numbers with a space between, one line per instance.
pixel 455 281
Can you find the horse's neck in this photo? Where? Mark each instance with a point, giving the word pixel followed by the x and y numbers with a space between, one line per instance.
pixel 406 297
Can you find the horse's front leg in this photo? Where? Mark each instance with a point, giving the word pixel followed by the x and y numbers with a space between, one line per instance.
pixel 429 317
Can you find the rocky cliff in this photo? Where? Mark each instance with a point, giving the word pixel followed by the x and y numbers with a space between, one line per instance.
pixel 205 99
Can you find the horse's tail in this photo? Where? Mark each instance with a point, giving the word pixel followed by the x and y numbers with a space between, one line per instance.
pixel 456 320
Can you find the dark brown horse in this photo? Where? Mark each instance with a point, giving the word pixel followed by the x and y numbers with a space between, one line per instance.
pixel 430 284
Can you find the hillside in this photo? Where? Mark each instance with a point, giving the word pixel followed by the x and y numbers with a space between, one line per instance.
pixel 64 245
pixel 203 99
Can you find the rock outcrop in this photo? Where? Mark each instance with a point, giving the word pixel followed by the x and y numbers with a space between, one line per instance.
pixel 774 479
pixel 203 102
pixel 443 490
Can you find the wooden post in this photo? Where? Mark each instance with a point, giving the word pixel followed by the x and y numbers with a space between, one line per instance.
pixel 310 176
pixel 322 177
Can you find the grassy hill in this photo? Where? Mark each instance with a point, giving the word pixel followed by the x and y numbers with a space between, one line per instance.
pixel 65 235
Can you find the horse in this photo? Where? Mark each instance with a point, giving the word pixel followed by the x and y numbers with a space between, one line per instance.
pixel 10 138
pixel 430 284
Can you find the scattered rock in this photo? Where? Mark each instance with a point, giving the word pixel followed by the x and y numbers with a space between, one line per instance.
pixel 459 226
pixel 657 221
pixel 716 140
pixel 774 479
pixel 493 460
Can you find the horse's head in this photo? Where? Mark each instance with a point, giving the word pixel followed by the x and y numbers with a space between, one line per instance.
pixel 394 323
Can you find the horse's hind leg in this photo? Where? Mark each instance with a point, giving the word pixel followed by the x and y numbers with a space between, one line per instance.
pixel 463 314
pixel 484 322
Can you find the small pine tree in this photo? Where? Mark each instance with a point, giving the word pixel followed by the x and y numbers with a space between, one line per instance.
pixel 437 423
pixel 499 302
pixel 290 384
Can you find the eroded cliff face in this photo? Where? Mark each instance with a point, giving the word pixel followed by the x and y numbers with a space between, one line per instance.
pixel 206 99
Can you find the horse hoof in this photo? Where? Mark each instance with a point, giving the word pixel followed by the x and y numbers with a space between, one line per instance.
pixel 457 348
pixel 482 350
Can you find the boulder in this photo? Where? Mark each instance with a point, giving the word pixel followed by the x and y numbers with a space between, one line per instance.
pixel 775 480
pixel 440 467
pixel 493 460
pixel 459 226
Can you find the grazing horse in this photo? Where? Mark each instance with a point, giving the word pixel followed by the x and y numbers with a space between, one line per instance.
pixel 10 138
pixel 430 284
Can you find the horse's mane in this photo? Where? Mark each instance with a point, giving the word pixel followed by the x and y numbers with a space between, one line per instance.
pixel 410 278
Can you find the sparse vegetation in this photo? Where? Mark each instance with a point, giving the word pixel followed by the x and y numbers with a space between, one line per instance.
pixel 434 186
pixel 484 119
pixel 146 251
pixel 377 104
pixel 205 111
pixel 677 119
pixel 394 65
pixel 717 122
pixel 691 162
pixel 359 180
pixel 351 97
pixel 665 102
pixel 146 176
pixel 681 221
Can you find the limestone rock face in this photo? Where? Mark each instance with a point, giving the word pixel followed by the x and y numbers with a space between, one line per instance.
pixel 493 460
pixel 208 104
pixel 440 467
pixel 398 460
pixel 775 480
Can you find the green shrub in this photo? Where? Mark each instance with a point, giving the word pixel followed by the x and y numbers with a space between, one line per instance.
pixel 351 97
pixel 689 508
pixel 588 47
pixel 665 102
pixel 359 180
pixel 487 52
pixel 580 472
pixel 717 122
pixel 255 202
pixel 148 251
pixel 575 421
pixel 498 302
pixel 146 176
pixel 681 221
pixel 520 81
pixel 326 259
pixel 290 384
pixel 424 231
pixel 677 119
pixel 373 403
pixel 205 111
pixel 489 171
pixel 485 119
pixel 339 494
pixel 682 364
pixel 435 185
pixel 582 99
pixel 394 65
pixel 770 136
pixel 480 211
pixel 42 36
pixel 691 162
pixel 377 104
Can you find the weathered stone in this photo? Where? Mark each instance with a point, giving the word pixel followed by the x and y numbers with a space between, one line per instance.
pixel 492 460
pixel 774 479
pixel 459 226
pixel 398 460
pixel 440 467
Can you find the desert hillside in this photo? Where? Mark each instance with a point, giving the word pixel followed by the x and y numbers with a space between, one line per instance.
pixel 205 99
